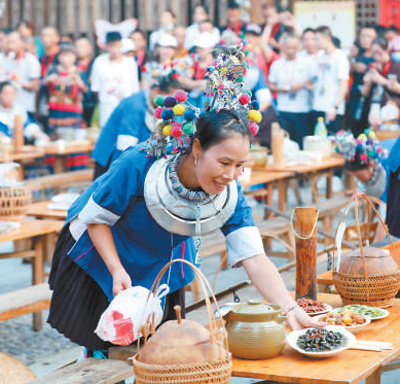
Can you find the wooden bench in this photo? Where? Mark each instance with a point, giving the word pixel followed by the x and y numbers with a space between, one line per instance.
pixel 61 181
pixel 23 301
pixel 89 371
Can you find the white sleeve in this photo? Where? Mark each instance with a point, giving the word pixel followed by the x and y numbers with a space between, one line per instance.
pixel 135 77
pixel 242 244
pixel 34 69
pixel 343 69
pixel 263 95
pixel 273 76
pixel 95 78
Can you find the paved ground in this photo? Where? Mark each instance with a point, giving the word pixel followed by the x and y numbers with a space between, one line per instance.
pixel 47 350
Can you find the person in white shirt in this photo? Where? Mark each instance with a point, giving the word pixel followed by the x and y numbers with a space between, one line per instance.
pixel 114 77
pixel 9 110
pixel 309 44
pixel 193 31
pixel 291 78
pixel 167 25
pixel 23 69
pixel 332 81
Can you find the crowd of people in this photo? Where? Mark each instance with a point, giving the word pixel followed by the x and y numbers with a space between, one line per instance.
pixel 297 76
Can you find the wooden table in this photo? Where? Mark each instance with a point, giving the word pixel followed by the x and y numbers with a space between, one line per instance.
pixel 38 231
pixel 41 210
pixel 61 151
pixel 26 155
pixel 348 367
pixel 311 171
pixel 383 135
pixel 268 180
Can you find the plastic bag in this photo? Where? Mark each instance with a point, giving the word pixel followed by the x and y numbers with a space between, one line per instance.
pixel 122 321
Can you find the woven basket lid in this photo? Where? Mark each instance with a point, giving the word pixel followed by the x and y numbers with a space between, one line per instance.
pixel 14 371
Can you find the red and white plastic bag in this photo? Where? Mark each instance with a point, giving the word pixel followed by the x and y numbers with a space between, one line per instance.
pixel 122 321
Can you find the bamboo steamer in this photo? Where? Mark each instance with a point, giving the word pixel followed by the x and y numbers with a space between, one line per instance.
pixel 183 351
pixel 367 275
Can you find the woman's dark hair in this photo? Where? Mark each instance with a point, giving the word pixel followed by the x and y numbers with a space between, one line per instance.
pixel 213 127
pixel 356 165
pixel 166 84
pixel 27 24
pixel 3 84
pixel 205 9
pixel 382 42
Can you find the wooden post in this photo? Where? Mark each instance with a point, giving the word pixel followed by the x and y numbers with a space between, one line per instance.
pixel 305 229
pixel 277 145
pixel 18 133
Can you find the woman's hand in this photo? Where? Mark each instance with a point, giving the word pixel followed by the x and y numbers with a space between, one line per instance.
pixel 298 319
pixel 121 281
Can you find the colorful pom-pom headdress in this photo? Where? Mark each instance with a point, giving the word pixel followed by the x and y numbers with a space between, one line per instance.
pixel 153 71
pixel 177 116
pixel 359 152
pixel 176 127
pixel 226 75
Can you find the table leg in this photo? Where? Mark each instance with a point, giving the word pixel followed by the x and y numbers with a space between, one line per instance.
pixel 38 276
pixel 282 195
pixel 60 164
pixel 329 182
pixel 374 377
pixel 268 199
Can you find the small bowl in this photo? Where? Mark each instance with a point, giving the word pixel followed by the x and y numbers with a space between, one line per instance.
pixel 351 328
pixel 349 341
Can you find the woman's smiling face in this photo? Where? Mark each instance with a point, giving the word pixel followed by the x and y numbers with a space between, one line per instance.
pixel 221 163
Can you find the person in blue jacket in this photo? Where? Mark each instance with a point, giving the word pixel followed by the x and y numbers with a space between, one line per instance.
pixel 129 223
pixel 130 123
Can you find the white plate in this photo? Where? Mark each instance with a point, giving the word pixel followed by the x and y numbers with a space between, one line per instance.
pixel 350 339
pixel 327 309
pixel 353 328
pixel 386 313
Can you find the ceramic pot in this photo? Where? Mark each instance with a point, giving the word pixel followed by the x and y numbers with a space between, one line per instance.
pixel 256 330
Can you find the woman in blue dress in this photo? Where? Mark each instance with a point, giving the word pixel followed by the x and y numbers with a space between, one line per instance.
pixel 125 227
pixel 154 198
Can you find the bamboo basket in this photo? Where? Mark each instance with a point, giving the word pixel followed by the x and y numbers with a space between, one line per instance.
pixel 216 371
pixel 378 289
pixel 14 200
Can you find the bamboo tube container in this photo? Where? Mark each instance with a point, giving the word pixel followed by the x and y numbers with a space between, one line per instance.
pixel 277 136
pixel 305 231
pixel 18 133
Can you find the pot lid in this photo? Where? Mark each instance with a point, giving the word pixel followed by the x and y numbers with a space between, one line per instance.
pixel 254 307
pixel 368 252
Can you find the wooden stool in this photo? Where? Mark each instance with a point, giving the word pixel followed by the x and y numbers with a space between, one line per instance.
pixel 328 210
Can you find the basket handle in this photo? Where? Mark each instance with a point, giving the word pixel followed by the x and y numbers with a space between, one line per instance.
pixel 312 230
pixel 214 330
pixel 370 200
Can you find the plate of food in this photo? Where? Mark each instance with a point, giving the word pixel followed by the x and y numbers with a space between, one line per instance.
pixel 321 343
pixel 373 312
pixel 352 321
pixel 312 307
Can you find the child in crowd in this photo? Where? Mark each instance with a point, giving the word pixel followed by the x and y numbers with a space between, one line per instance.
pixel 66 87
pixel 9 109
